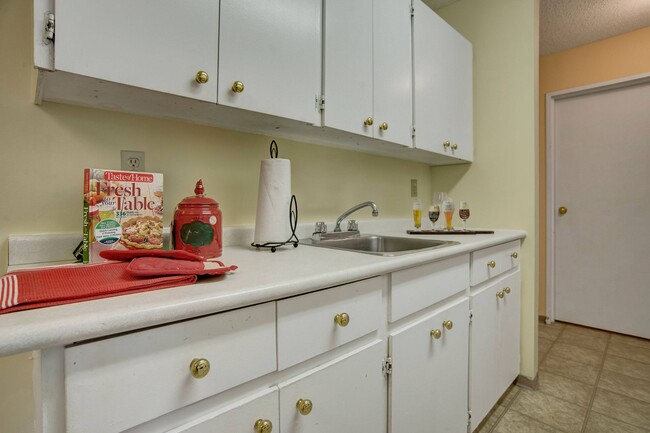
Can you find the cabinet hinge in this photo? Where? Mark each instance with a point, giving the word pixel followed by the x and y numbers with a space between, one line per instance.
pixel 49 27
pixel 412 10
pixel 412 131
pixel 469 421
pixel 387 368
pixel 320 102
pixel 471 316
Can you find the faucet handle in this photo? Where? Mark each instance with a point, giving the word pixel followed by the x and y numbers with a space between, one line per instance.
pixel 353 226
pixel 321 227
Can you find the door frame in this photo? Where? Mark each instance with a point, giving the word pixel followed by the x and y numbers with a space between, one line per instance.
pixel 551 99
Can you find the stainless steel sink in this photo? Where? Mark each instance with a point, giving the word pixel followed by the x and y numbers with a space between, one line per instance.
pixel 380 245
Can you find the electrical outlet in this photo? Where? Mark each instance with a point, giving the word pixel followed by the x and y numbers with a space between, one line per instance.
pixel 414 188
pixel 132 160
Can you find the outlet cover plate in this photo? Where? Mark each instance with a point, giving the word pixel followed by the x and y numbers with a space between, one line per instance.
pixel 414 188
pixel 132 160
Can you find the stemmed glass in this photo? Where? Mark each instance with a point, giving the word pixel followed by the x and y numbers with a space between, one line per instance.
pixel 438 200
pixel 463 213
pixel 434 214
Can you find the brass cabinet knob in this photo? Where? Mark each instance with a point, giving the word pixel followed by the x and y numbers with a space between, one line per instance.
pixel 383 126
pixel 446 144
pixel 199 367
pixel 448 324
pixel 436 333
pixel 369 121
pixel 304 406
pixel 562 210
pixel 342 319
pixel 237 87
pixel 514 255
pixel 263 426
pixel 454 146
pixel 492 264
pixel 500 294
pixel 201 77
pixel 507 290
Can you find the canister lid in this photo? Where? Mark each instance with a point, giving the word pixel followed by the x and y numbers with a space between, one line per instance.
pixel 199 199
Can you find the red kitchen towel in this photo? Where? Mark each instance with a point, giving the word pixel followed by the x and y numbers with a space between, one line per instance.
pixel 37 288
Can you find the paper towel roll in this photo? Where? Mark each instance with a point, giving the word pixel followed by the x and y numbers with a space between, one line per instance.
pixel 273 200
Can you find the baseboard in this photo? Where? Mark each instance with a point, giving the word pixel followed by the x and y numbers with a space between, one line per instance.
pixel 525 382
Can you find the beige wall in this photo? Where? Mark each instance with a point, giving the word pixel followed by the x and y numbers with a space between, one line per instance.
pixel 500 185
pixel 617 57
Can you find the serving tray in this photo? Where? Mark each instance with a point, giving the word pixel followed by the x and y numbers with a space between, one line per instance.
pixel 450 232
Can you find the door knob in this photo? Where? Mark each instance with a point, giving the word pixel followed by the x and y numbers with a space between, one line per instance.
pixel 562 210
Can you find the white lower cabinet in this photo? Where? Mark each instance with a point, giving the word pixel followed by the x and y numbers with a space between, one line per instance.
pixel 344 395
pixel 428 386
pixel 494 343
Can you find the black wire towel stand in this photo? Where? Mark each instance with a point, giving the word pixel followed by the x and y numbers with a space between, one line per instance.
pixel 293 216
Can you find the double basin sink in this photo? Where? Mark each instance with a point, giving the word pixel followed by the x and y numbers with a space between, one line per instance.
pixel 379 245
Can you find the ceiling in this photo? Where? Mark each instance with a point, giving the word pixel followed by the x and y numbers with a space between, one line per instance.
pixel 565 24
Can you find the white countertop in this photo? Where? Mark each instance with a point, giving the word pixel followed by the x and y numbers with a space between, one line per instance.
pixel 261 276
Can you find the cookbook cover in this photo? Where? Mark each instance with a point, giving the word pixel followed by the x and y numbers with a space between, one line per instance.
pixel 121 210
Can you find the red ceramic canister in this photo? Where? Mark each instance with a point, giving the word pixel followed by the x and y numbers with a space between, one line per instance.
pixel 197 225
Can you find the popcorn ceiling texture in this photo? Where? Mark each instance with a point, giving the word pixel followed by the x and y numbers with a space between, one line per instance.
pixel 566 24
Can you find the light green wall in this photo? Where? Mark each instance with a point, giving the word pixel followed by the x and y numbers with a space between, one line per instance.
pixel 501 184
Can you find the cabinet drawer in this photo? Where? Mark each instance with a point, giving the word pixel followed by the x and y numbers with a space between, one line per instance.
pixel 307 325
pixel 490 262
pixel 120 382
pixel 417 288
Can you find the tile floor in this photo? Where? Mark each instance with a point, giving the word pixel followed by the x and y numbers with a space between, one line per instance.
pixel 590 381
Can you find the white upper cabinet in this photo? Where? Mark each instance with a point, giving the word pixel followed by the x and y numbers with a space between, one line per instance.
pixel 442 61
pixel 367 68
pixel 270 57
pixel 159 46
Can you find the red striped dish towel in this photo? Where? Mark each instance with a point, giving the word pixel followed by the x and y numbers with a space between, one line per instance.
pixel 37 288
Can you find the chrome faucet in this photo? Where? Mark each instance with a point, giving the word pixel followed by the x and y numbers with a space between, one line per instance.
pixel 375 212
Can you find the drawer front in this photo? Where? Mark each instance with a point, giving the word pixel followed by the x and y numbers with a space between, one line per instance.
pixel 240 416
pixel 120 382
pixel 419 287
pixel 307 325
pixel 490 262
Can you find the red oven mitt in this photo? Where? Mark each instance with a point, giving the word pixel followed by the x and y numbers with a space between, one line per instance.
pixel 150 263
pixel 159 266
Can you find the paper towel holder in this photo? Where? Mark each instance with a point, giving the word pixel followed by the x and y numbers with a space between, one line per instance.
pixel 293 221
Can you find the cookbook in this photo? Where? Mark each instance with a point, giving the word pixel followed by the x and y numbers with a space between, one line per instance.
pixel 121 210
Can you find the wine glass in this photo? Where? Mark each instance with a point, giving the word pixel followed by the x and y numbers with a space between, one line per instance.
pixel 438 199
pixel 463 213
pixel 434 214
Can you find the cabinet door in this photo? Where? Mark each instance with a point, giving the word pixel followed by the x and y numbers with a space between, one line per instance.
pixel 428 389
pixel 509 330
pixel 346 395
pixel 274 49
pixel 484 353
pixel 442 61
pixel 494 343
pixel 348 83
pixel 239 416
pixel 392 71
pixel 157 46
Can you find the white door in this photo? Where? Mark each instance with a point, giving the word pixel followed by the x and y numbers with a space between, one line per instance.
pixel 428 385
pixel 442 64
pixel 344 395
pixel 272 47
pixel 159 46
pixel 601 150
